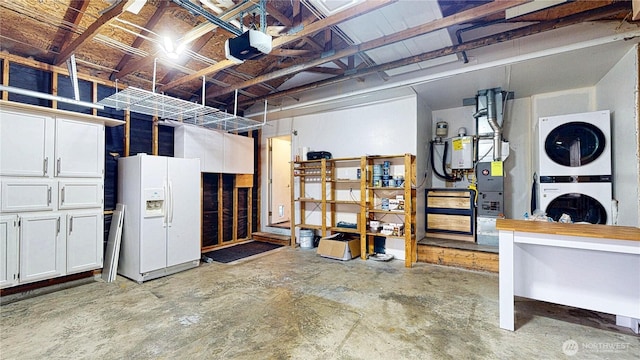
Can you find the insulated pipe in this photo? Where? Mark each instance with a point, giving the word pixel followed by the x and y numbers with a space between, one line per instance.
pixel 40 95
pixel 492 118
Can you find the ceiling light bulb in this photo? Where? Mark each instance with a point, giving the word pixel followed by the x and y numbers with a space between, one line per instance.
pixel 168 44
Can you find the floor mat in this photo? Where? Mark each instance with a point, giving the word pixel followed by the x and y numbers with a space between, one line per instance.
pixel 238 252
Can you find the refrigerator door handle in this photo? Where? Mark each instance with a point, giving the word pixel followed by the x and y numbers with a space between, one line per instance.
pixel 165 216
pixel 170 203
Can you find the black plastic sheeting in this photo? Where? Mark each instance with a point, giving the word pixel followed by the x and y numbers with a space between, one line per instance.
pixel 243 200
pixel 65 90
pixel 227 207
pixel 28 78
pixel 255 196
pixel 209 209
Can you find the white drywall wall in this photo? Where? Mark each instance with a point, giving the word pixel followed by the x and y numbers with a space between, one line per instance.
pixel 618 91
pixel 388 127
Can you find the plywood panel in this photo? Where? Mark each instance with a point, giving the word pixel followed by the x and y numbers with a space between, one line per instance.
pixel 449 222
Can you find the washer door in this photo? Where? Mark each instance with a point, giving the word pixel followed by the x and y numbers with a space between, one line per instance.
pixel 581 208
pixel 574 144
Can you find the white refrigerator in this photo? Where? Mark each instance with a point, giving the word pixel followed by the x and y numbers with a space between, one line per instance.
pixel 161 230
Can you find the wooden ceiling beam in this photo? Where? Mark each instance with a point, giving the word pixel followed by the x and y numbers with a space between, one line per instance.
pixel 204 29
pixel 283 40
pixel 326 70
pixel 276 14
pixel 469 45
pixel 293 52
pixel 153 21
pixel 91 31
pixel 437 24
pixel 73 15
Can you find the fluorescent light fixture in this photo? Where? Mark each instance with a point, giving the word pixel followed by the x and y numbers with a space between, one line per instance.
pixel 136 6
pixel 530 7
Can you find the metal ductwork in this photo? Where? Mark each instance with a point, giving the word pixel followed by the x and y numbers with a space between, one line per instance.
pixel 492 119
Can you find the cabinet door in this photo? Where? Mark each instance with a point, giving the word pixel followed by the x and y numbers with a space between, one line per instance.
pixel 79 149
pixel 238 154
pixel 8 251
pixel 26 144
pixel 80 194
pixel 41 247
pixel 84 241
pixel 27 195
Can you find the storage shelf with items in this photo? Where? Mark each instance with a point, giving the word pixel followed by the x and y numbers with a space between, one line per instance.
pixel 344 195
pixel 391 204
pixel 308 194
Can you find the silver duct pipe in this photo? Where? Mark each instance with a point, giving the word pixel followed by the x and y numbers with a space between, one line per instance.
pixel 492 118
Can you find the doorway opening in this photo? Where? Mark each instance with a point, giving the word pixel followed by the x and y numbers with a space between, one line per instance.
pixel 280 181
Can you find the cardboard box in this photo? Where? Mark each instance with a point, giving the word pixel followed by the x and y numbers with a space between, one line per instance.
pixel 339 249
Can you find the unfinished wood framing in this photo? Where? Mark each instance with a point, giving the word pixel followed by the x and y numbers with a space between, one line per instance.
pixel 473 260
pixel 241 184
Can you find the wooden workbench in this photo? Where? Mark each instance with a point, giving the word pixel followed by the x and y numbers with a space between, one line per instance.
pixel 595 267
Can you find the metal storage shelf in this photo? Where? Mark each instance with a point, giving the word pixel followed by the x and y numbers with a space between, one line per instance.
pixel 170 108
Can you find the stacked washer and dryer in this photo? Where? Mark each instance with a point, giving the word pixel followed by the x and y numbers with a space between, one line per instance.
pixel 574 167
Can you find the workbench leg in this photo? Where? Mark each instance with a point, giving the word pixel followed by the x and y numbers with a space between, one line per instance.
pixel 507 316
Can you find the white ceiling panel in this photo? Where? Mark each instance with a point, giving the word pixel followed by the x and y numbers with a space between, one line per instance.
pixel 391 19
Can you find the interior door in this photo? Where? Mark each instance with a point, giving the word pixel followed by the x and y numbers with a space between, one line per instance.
pixel 280 176
pixel 184 211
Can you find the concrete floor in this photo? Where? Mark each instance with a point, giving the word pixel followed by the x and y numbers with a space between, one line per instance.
pixel 293 304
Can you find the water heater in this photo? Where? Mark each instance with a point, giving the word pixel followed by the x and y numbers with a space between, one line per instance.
pixel 462 153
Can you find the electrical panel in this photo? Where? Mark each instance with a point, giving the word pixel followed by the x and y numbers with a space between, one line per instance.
pixel 462 152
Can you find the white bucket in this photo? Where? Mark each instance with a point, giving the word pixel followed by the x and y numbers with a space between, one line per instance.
pixel 306 239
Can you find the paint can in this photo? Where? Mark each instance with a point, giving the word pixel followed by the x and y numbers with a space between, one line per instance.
pixel 306 239
pixel 377 170
pixel 376 181
pixel 385 203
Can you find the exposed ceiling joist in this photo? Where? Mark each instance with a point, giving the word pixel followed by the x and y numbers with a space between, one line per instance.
pixel 442 23
pixel 92 31
pixel 636 10
pixel 283 40
pixel 588 15
pixel 74 14
pixel 153 21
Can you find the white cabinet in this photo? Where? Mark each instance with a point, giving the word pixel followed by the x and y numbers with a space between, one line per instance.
pixel 8 251
pixel 41 247
pixel 84 245
pixel 52 185
pixel 80 194
pixel 26 148
pixel 238 154
pixel 19 195
pixel 79 149
pixel 218 152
